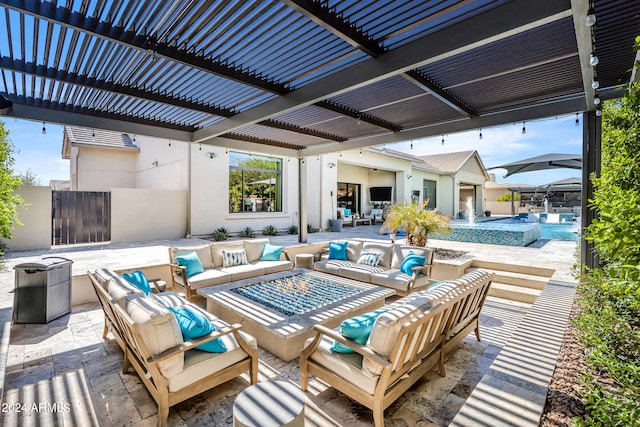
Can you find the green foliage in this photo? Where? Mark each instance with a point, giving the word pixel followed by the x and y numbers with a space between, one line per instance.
pixel 29 178
pixel 270 230
pixel 220 234
pixel 247 232
pixel 310 229
pixel 293 229
pixel 9 184
pixel 506 197
pixel 609 296
pixel 416 221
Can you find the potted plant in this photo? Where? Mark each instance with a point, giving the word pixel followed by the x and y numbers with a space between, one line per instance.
pixel 416 221
pixel 335 224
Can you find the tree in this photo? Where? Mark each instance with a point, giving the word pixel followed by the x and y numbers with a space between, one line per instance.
pixel 29 178
pixel 9 184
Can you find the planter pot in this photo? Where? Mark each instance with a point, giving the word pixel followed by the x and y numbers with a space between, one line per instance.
pixel 487 213
pixel 335 225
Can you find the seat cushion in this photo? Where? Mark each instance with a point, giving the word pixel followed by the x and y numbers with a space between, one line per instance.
pixel 118 289
pixel 159 330
pixel 360 272
pixel 273 266
pixel 385 250
pixel 200 364
pixel 202 251
pixel 346 365
pixel 393 279
pixel 214 276
pixel 241 272
pixel 332 266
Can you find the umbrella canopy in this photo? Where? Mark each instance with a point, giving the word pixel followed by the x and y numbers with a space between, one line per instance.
pixel 545 161
pixel 569 181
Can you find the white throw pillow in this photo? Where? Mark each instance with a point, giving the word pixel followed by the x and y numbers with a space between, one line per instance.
pixel 371 258
pixel 231 258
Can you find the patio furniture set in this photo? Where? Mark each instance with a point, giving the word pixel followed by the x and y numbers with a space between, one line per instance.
pixel 180 350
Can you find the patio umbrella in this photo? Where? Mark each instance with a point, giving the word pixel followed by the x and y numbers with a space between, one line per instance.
pixel 545 161
pixel 569 181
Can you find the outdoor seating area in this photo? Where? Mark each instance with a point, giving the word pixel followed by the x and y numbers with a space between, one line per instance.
pixel 87 350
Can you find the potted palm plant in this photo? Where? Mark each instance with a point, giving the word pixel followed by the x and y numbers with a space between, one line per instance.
pixel 416 221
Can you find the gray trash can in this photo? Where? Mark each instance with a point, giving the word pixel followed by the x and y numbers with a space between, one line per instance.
pixel 42 290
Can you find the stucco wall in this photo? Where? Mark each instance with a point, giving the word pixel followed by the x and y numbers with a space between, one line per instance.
pixel 100 170
pixel 139 215
pixel 163 166
pixel 35 216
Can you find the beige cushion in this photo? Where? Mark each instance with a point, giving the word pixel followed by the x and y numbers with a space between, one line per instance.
pixel 385 250
pixel 210 277
pixel 274 266
pixel 203 252
pixel 393 279
pixel 387 327
pixel 159 329
pixel 401 251
pixel 332 266
pixel 359 272
pixel 254 248
pixel 103 275
pixel 241 272
pixel 169 298
pixel 346 365
pixel 218 247
pixel 199 364
pixel 118 289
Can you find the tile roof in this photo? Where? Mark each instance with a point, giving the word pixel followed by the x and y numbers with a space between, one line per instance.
pixel 96 138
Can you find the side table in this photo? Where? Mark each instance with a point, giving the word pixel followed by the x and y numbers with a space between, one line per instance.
pixel 304 261
pixel 269 404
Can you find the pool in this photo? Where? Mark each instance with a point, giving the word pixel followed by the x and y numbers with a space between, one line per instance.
pixel 510 232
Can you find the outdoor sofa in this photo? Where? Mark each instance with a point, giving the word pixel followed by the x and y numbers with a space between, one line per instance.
pixel 409 338
pixel 168 362
pixel 216 261
pixel 387 272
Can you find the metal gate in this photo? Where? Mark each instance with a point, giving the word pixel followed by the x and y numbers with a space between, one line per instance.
pixel 80 217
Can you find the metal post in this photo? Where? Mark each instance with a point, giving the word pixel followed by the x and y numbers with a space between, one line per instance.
pixel 591 162
pixel 302 200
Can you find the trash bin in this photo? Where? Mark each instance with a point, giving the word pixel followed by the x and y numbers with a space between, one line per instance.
pixel 42 290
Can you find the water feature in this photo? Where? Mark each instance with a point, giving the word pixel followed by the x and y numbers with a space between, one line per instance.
pixel 546 205
pixel 471 214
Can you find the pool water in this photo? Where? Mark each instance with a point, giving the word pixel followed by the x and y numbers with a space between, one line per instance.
pixel 567 230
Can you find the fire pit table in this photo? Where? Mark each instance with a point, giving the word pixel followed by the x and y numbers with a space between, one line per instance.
pixel 280 309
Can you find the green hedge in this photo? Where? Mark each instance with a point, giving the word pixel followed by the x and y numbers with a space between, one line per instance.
pixel 609 296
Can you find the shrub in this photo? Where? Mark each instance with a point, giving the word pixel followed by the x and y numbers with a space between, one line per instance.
pixel 506 197
pixel 609 296
pixel 293 229
pixel 247 232
pixel 310 229
pixel 220 234
pixel 270 230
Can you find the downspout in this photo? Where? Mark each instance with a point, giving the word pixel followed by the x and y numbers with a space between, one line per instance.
pixel 453 199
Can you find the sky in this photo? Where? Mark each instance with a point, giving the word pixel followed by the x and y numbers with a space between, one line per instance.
pixel 503 144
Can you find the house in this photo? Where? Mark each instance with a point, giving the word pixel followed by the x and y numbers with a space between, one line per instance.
pixel 237 189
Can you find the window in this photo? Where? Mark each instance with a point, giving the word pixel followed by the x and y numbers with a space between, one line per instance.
pixel 255 183
pixel 349 196
pixel 429 191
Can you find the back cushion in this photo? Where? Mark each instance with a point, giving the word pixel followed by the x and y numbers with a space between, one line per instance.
pixel 254 248
pixel 103 275
pixel 118 289
pixel 385 250
pixel 203 252
pixel 353 250
pixel 401 251
pixel 217 248
pixel 159 330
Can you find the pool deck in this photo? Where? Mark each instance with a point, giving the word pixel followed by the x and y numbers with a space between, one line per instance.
pixel 499 381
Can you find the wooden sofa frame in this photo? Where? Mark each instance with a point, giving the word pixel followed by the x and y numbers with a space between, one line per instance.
pixel 441 328
pixel 138 356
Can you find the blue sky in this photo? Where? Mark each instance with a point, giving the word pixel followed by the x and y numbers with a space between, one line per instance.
pixel 503 144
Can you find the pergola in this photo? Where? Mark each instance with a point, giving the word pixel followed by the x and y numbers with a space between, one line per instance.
pixel 304 77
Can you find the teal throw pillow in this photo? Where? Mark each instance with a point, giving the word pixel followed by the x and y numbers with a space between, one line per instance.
pixel 271 253
pixel 191 261
pixel 410 261
pixel 195 325
pixel 138 279
pixel 357 328
pixel 338 250
pixel 347 212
